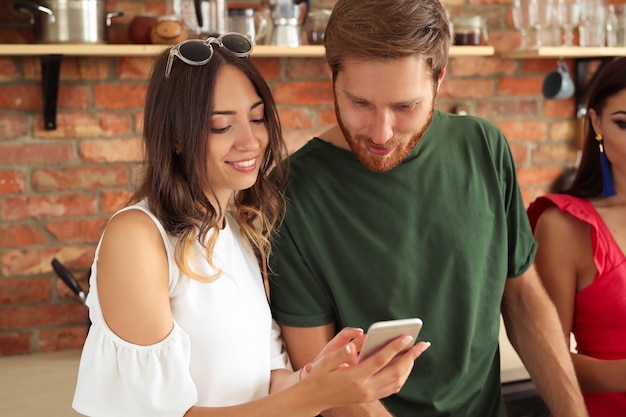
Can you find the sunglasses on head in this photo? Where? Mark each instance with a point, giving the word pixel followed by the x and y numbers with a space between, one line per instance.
pixel 198 52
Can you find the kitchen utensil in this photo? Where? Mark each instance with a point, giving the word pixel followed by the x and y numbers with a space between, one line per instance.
pixel 558 85
pixel 316 26
pixel 470 30
pixel 212 17
pixel 168 30
pixel 249 20
pixel 69 279
pixel 68 21
pixel 288 16
pixel 140 27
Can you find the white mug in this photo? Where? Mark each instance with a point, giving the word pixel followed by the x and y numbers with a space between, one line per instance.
pixel 558 85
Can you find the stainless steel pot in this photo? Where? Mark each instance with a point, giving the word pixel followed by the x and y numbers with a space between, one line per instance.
pixel 68 21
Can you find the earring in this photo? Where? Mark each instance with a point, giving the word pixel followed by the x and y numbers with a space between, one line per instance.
pixel 607 179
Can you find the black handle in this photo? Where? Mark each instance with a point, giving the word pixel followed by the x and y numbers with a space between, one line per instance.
pixel 68 278
pixel 198 6
pixel 306 11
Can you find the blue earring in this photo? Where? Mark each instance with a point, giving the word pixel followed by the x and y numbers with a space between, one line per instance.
pixel 608 189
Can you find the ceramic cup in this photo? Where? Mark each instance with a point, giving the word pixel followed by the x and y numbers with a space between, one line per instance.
pixel 558 85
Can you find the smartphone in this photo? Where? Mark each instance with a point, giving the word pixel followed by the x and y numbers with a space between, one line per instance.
pixel 382 332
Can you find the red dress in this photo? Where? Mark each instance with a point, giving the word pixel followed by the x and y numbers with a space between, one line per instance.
pixel 600 309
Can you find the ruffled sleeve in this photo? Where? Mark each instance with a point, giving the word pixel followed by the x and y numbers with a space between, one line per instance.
pixel 117 378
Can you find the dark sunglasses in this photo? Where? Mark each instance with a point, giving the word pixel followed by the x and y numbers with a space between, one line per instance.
pixel 198 52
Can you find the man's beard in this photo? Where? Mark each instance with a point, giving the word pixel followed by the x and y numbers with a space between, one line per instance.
pixel 387 162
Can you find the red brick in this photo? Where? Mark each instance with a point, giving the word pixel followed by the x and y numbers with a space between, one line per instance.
pixel 12 126
pixel 559 108
pixel 527 194
pixel 31 66
pixel 520 86
pixel 14 318
pixel 83 177
pixel 24 290
pixel 541 66
pixel 20 208
pixel 77 231
pixel 520 154
pixel 297 118
pixel 307 68
pixel 524 130
pixel 12 181
pixel 114 150
pixel 84 68
pixel 37 261
pixel 306 93
pixel 563 130
pixel 35 153
pixel 538 175
pixel 86 125
pixel 134 68
pixel 73 97
pixel 15 343
pixel 139 123
pixel 326 117
pixel 503 109
pixel 25 97
pixel 12 236
pixel 112 201
pixel 550 153
pixel 479 67
pixel 8 72
pixel 270 68
pixel 466 88
pixel 119 96
pixel 60 339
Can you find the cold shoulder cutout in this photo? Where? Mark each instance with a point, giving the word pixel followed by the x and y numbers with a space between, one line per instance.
pixel 221 350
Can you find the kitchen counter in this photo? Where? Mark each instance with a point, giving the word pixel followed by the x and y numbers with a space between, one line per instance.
pixel 42 384
pixel 38 385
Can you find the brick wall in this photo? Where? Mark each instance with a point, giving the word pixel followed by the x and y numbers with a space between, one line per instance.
pixel 58 187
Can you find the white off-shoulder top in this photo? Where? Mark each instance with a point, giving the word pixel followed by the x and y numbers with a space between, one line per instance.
pixel 220 352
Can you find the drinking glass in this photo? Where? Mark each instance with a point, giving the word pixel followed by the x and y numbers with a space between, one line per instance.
pixel 620 12
pixel 540 12
pixel 522 22
pixel 592 29
pixel 612 24
pixel 568 18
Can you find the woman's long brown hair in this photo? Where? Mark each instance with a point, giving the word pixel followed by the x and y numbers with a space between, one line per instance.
pixel 174 177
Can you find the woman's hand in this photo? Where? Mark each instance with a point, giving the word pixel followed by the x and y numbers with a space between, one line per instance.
pixel 340 379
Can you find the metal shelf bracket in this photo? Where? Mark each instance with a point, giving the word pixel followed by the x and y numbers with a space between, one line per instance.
pixel 50 72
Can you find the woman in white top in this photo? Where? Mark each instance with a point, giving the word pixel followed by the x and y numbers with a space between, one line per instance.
pixel 180 319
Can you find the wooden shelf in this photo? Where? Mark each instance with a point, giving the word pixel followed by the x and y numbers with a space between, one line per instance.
pixel 472 51
pixel 268 51
pixel 260 51
pixel 566 52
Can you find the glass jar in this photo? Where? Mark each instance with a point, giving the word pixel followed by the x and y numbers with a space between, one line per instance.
pixel 470 30
pixel 316 26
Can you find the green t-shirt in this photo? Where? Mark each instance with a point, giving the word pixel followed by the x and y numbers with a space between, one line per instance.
pixel 434 238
